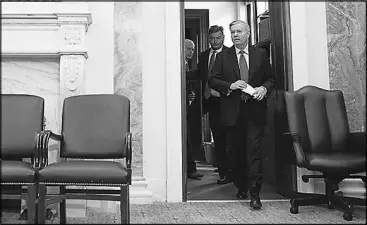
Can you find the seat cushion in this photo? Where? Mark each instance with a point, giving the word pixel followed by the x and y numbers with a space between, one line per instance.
pixel 339 163
pixel 82 171
pixel 17 171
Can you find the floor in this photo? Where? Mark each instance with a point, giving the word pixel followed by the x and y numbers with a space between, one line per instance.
pixel 235 212
pixel 208 189
pixel 210 203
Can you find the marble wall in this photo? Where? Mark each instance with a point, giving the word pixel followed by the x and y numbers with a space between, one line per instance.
pixel 40 77
pixel 128 71
pixel 35 76
pixel 346 35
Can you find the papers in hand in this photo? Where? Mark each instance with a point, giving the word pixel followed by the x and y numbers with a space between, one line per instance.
pixel 249 90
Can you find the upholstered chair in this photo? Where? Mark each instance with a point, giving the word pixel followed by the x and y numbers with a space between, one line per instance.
pixel 95 152
pixel 319 139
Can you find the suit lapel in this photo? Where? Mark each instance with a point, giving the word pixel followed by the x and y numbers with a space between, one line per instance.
pixel 232 58
pixel 206 60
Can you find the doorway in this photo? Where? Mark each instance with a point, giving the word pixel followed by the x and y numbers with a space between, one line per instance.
pixel 196 25
pixel 279 177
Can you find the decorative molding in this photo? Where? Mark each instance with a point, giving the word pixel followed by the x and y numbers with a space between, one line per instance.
pixel 47 33
pixel 72 73
pixel 73 37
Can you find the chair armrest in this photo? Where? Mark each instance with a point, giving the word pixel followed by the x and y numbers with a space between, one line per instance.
pixel 54 136
pixel 37 150
pixel 128 153
pixel 44 140
pixel 299 156
pixel 357 142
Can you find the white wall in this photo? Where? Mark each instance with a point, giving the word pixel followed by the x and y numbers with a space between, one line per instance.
pixel 162 142
pixel 100 42
pixel 220 13
pixel 309 44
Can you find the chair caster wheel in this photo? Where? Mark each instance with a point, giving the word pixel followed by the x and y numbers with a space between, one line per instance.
pixel 348 216
pixel 330 206
pixel 294 209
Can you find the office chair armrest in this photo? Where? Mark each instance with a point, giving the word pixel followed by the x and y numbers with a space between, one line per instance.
pixel 357 142
pixel 299 155
pixel 128 153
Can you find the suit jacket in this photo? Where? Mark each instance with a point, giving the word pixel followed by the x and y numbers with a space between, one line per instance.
pixel 226 71
pixel 202 73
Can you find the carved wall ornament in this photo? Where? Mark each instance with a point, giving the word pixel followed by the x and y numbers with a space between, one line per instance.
pixel 73 70
pixel 72 37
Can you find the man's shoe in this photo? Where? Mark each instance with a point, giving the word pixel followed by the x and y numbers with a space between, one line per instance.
pixel 216 170
pixel 224 180
pixel 195 175
pixel 255 202
pixel 242 194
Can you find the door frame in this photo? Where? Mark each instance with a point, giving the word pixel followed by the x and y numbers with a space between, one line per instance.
pixel 282 60
pixel 280 28
pixel 200 17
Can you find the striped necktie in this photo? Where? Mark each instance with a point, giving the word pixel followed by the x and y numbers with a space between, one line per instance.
pixel 211 64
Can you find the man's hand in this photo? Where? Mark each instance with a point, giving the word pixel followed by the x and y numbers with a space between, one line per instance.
pixel 191 96
pixel 259 93
pixel 214 93
pixel 240 84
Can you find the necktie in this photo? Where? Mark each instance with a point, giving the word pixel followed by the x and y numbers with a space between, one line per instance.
pixel 211 63
pixel 243 67
pixel 187 68
pixel 244 73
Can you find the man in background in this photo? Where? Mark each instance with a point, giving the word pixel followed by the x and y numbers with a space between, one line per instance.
pixel 210 100
pixel 243 113
pixel 192 172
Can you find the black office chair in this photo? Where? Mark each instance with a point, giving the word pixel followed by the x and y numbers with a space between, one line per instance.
pixel 21 119
pixel 320 140
pixel 94 127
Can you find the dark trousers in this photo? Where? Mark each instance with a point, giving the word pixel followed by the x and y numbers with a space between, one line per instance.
pixel 244 152
pixel 219 135
pixel 191 165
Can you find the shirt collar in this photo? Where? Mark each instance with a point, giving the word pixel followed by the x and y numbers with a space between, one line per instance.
pixel 218 50
pixel 238 50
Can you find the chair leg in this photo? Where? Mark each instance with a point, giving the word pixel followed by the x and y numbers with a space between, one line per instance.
pixel 42 204
pixel 125 205
pixel 316 199
pixel 62 206
pixel 344 204
pixel 31 203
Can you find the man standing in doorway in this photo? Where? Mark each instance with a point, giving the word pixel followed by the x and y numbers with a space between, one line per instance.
pixel 210 100
pixel 235 71
pixel 192 172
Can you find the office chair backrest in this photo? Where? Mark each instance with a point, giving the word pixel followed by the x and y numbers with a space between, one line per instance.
pixel 320 118
pixel 94 126
pixel 21 118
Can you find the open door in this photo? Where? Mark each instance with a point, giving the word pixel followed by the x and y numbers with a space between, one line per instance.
pixel 196 25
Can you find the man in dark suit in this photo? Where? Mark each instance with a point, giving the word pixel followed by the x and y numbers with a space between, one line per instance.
pixel 210 99
pixel 192 172
pixel 242 114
